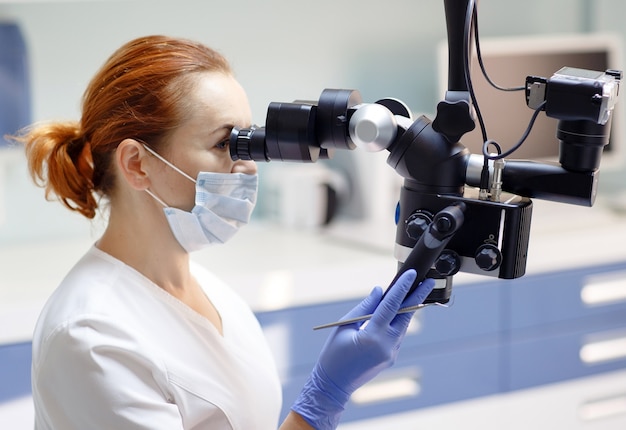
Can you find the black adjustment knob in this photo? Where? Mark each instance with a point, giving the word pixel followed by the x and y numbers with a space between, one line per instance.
pixel 444 225
pixel 448 263
pixel 453 119
pixel 488 257
pixel 417 224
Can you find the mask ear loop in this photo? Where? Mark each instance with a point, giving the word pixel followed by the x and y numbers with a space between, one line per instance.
pixel 154 196
pixel 153 152
pixel 157 155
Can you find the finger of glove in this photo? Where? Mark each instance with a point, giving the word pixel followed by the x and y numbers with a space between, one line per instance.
pixel 419 295
pixel 401 321
pixel 390 304
pixel 367 306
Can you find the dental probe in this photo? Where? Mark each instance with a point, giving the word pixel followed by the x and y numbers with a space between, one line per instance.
pixel 367 317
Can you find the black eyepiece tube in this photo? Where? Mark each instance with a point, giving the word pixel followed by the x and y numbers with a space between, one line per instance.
pixel 299 131
pixel 289 135
pixel 290 132
pixel 248 144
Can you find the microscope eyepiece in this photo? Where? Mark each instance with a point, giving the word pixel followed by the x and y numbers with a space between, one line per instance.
pixel 248 144
pixel 302 131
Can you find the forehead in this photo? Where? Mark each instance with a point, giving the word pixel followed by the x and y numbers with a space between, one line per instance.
pixel 217 100
pixel 220 100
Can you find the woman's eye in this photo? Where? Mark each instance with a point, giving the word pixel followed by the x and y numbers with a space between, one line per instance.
pixel 223 144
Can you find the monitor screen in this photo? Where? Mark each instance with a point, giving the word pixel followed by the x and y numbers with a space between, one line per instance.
pixel 508 61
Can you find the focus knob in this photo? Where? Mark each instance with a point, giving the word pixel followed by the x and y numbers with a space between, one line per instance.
pixel 448 263
pixel 417 224
pixel 488 257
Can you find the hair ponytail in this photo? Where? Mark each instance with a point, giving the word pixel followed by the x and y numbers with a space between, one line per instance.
pixel 60 161
pixel 140 92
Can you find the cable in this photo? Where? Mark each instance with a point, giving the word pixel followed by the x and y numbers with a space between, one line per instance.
pixel 467 31
pixel 482 64
pixel 471 15
pixel 472 18
pixel 518 144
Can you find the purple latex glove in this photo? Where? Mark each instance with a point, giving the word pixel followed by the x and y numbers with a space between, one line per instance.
pixel 353 354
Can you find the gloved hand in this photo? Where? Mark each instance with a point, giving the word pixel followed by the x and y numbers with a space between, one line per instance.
pixel 353 355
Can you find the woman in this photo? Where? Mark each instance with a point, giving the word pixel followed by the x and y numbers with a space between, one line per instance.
pixel 136 336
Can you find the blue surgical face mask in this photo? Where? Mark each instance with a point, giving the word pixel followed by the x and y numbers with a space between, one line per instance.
pixel 224 203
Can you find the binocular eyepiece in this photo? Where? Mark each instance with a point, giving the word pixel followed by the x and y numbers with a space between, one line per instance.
pixel 301 131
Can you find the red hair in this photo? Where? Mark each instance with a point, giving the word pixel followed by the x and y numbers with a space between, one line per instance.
pixel 141 93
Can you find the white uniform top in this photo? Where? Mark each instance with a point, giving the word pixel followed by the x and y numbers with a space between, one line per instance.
pixel 112 350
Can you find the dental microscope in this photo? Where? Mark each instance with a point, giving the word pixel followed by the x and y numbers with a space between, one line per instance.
pixel 457 211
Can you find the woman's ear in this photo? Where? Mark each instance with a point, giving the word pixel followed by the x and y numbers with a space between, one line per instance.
pixel 131 158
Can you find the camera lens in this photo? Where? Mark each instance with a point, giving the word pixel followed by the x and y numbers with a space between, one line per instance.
pixel 581 144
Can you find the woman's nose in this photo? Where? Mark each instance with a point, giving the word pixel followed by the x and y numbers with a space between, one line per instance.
pixel 244 166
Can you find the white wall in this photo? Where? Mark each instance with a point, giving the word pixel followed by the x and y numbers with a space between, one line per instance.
pixel 281 50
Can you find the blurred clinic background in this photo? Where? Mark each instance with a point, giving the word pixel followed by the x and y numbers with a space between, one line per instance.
pixel 547 350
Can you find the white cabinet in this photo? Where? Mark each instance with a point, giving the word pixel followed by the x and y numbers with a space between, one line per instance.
pixel 591 403
pixel 512 342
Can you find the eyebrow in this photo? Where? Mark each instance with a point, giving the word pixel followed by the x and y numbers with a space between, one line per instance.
pixel 218 132
pixel 223 128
